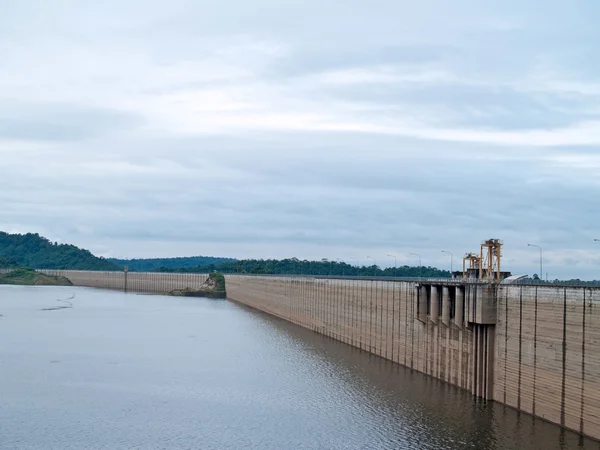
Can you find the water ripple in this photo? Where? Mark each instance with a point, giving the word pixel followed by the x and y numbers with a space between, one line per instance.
pixel 151 372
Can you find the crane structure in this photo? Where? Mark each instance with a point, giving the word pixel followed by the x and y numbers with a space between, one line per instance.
pixel 490 258
pixel 471 265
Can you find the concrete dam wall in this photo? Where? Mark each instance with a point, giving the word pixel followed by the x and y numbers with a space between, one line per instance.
pixel 375 316
pixel 548 354
pixel 533 348
pixel 143 282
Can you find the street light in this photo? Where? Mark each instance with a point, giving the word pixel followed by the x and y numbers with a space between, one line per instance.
pixel 416 254
pixel 395 264
pixel 451 260
pixel 374 264
pixel 541 253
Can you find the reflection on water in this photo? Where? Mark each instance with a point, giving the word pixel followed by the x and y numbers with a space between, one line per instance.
pixel 123 371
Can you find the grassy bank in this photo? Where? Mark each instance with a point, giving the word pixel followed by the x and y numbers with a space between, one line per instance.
pixel 29 277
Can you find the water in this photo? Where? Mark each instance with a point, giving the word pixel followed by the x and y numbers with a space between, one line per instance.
pixel 121 371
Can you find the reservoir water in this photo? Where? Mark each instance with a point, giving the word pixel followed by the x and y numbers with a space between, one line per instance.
pixel 125 371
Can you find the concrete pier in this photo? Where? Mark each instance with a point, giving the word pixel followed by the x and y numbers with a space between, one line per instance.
pixel 435 302
pixel 446 305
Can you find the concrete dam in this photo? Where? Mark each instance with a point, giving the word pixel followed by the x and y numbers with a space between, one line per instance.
pixel 535 348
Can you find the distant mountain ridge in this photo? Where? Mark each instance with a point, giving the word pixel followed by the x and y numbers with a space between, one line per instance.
pixel 37 252
pixel 153 264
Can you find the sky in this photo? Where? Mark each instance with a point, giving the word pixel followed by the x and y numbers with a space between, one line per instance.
pixel 334 129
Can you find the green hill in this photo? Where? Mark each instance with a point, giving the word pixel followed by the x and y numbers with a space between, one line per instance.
pixel 33 250
pixel 303 267
pixel 153 264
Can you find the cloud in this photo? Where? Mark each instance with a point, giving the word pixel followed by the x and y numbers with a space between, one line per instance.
pixel 335 129
pixel 57 122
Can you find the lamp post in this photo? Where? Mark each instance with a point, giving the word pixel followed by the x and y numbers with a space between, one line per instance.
pixel 451 261
pixel 374 264
pixel 395 264
pixel 541 257
pixel 420 266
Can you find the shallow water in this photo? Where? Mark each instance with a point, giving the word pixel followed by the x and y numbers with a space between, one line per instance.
pixel 125 371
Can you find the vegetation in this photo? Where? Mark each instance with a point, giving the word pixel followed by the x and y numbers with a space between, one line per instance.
pixel 535 279
pixel 294 266
pixel 33 250
pixel 218 281
pixel 6 263
pixel 30 277
pixel 213 287
pixel 153 264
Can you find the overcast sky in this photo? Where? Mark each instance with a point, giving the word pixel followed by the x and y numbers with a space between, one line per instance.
pixel 316 129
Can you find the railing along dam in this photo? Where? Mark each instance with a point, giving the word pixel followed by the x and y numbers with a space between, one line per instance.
pixel 533 348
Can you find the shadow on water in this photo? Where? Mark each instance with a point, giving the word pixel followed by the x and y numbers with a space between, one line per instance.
pixel 427 412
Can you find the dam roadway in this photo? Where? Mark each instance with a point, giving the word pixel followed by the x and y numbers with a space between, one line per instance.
pixel 534 348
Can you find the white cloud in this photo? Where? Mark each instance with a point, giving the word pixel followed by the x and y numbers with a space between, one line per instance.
pixel 317 130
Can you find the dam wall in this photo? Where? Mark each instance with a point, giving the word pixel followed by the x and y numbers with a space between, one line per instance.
pixel 142 282
pixel 548 354
pixel 380 317
pixel 533 348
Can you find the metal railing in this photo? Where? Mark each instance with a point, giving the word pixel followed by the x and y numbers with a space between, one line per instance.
pixel 448 281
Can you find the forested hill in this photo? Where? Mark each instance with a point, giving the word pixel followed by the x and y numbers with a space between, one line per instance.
pixel 35 251
pixel 304 267
pixel 154 264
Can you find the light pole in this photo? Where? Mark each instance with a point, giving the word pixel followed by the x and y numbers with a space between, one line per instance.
pixel 451 260
pixel 374 264
pixel 541 257
pixel 395 264
pixel 416 254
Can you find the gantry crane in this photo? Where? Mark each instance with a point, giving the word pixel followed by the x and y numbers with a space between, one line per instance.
pixel 471 264
pixel 491 254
